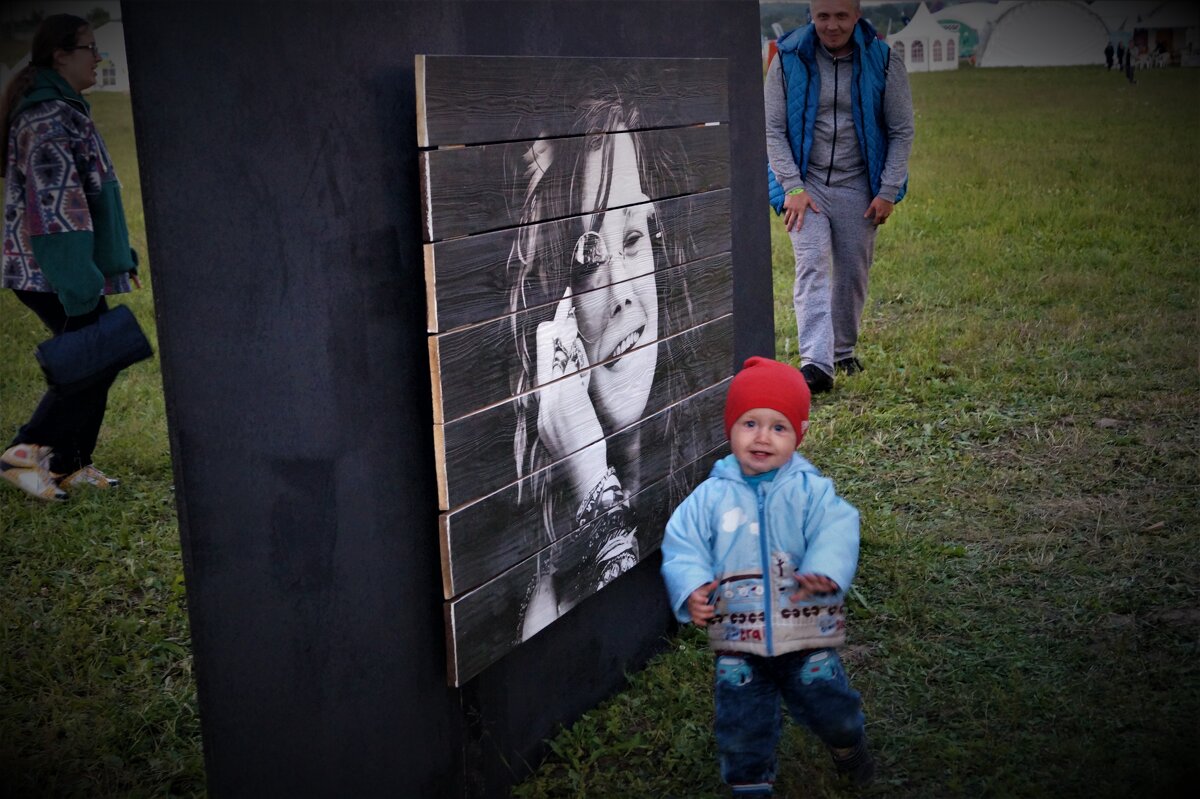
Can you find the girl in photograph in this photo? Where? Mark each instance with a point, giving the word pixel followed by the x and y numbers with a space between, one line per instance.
pixel 65 244
pixel 598 262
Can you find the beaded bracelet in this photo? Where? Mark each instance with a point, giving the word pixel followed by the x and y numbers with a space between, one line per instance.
pixel 606 493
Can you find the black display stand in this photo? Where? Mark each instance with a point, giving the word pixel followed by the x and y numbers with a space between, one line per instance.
pixel 278 158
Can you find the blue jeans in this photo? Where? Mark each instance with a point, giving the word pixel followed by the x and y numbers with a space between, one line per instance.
pixel 748 688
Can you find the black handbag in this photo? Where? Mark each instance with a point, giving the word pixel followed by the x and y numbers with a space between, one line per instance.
pixel 81 358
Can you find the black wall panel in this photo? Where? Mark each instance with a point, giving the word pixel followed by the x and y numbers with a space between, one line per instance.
pixel 278 159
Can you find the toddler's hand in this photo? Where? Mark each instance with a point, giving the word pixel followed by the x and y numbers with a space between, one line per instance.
pixel 811 584
pixel 698 606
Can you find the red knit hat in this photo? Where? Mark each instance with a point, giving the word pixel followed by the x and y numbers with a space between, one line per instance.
pixel 764 383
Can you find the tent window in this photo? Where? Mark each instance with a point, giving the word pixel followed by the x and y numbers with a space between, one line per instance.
pixel 937 51
pixel 900 50
pixel 918 53
pixel 950 50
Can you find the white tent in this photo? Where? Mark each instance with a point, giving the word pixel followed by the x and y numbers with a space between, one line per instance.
pixel 1172 15
pixel 1176 27
pixel 1124 15
pixel 1045 33
pixel 925 45
pixel 1173 25
pixel 113 73
pixel 970 20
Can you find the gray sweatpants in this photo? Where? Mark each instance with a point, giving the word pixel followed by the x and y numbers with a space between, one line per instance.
pixel 834 250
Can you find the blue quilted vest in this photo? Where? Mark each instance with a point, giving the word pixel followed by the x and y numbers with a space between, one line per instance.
pixel 802 87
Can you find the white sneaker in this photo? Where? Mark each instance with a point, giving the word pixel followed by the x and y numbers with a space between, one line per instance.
pixel 87 476
pixel 25 466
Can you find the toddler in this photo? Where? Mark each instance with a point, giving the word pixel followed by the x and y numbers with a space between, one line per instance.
pixel 762 553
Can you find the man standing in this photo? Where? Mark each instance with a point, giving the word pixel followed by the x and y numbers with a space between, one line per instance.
pixel 839 133
pixel 1108 56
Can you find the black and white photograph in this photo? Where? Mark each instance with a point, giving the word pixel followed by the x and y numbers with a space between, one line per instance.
pixel 579 298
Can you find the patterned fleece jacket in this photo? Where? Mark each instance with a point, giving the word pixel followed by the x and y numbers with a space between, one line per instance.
pixel 64 224
pixel 754 541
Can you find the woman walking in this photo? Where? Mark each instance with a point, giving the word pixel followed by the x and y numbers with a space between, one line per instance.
pixel 65 244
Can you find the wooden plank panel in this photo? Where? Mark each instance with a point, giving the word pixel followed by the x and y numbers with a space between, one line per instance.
pixel 478 455
pixel 467 279
pixel 486 537
pixel 485 624
pixel 468 190
pixel 474 99
pixel 476 366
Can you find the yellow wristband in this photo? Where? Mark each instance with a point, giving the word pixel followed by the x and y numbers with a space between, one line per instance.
pixel 795 191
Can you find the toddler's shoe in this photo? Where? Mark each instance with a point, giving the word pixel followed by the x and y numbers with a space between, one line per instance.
pixel 25 466
pixel 88 476
pixel 855 763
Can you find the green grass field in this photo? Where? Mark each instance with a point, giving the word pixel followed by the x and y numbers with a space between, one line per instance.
pixel 97 696
pixel 1023 447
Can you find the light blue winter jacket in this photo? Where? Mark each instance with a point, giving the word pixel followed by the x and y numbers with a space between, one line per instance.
pixel 728 530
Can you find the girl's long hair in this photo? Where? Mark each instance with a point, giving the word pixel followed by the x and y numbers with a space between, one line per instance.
pixel 56 32
pixel 549 206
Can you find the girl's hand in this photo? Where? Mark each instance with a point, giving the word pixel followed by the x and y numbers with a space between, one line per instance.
pixel 698 604
pixel 567 420
pixel 811 584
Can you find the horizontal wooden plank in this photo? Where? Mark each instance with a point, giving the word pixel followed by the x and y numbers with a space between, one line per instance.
pixel 469 190
pixel 485 624
pixel 467 280
pixel 486 537
pixel 478 456
pixel 479 365
pixel 474 99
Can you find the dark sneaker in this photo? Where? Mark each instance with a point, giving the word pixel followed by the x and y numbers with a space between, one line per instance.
pixel 855 764
pixel 818 381
pixel 848 366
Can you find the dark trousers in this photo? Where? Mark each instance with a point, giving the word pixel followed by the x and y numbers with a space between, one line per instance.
pixel 748 690
pixel 69 424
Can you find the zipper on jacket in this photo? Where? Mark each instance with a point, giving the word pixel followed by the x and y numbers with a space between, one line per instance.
pixel 837 78
pixel 766 567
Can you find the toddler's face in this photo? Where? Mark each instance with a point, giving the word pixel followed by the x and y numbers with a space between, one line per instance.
pixel 762 439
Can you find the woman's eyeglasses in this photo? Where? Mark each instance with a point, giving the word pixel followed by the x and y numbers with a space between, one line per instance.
pixel 590 253
pixel 95 50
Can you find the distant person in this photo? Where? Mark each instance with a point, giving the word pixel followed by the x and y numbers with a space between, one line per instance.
pixel 1128 65
pixel 761 554
pixel 1121 55
pixel 1108 56
pixel 65 244
pixel 846 167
